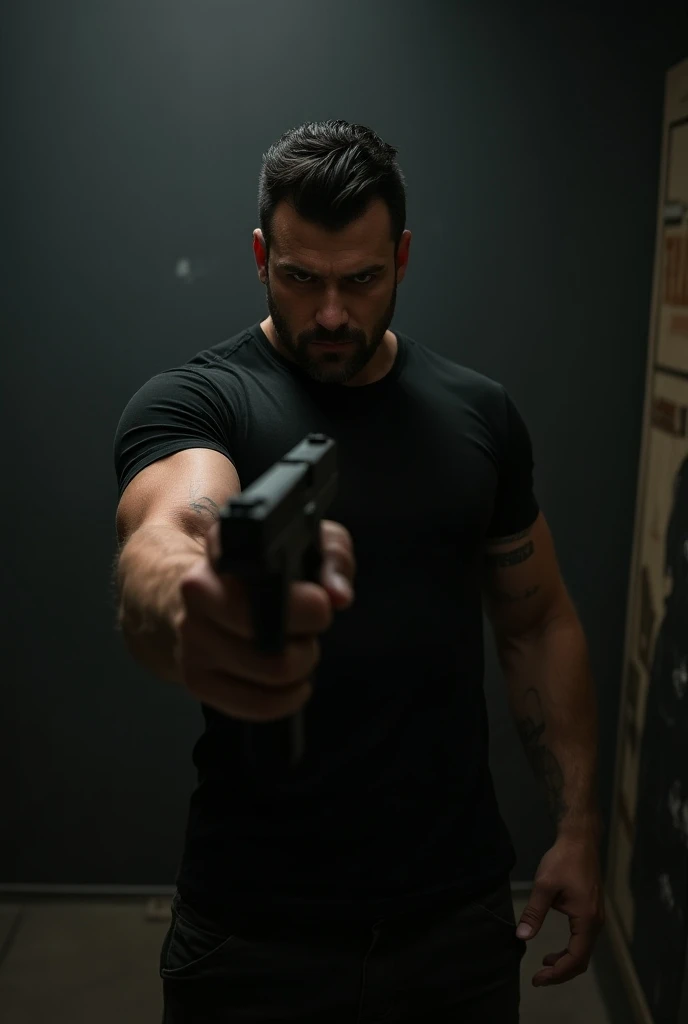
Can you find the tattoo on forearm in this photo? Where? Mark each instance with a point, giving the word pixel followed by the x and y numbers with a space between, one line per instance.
pixel 543 762
pixel 204 505
pixel 504 559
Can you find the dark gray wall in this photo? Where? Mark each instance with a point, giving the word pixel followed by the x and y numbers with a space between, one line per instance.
pixel 135 132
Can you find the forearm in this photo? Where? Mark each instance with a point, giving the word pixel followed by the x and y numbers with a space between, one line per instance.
pixel 149 568
pixel 552 698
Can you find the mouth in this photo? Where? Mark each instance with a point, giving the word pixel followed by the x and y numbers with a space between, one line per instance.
pixel 331 344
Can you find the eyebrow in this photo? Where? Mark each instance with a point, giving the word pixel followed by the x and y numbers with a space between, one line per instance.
pixel 294 268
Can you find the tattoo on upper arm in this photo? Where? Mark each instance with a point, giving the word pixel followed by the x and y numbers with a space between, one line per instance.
pixel 543 762
pixel 204 504
pixel 504 559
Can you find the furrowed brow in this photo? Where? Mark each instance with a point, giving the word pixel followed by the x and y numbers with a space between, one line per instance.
pixel 294 268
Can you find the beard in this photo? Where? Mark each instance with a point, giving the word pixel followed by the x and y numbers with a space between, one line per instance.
pixel 331 367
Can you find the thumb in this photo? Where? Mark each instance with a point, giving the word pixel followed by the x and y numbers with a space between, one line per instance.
pixel 534 913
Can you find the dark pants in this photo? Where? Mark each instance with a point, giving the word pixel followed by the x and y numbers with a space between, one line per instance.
pixel 458 964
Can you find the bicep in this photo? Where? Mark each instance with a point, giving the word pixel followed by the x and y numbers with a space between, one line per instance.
pixel 522 585
pixel 185 490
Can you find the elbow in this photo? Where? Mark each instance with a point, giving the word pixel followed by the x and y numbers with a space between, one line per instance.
pixel 552 616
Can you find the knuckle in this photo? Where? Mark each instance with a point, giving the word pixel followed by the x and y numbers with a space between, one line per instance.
pixel 530 915
pixel 194 574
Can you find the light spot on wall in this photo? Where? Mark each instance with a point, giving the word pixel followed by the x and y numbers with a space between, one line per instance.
pixel 666 893
pixel 188 270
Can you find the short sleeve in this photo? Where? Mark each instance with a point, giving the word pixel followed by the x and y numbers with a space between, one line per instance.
pixel 177 409
pixel 515 507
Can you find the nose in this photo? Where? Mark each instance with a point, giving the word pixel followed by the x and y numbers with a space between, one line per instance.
pixel 331 314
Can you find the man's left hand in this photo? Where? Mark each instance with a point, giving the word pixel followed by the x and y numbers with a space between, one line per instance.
pixel 568 879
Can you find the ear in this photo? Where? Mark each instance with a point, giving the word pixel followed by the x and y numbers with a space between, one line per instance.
pixel 403 256
pixel 260 253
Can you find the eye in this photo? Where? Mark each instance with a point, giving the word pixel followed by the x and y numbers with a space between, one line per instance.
pixel 298 278
pixel 295 277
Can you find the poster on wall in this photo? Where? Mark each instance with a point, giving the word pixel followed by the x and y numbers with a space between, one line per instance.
pixel 647 885
pixel 672 341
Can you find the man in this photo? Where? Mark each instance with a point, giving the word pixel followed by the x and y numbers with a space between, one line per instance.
pixel 371 882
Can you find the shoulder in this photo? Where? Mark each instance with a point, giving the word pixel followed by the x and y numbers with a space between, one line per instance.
pixel 230 353
pixel 474 389
pixel 214 374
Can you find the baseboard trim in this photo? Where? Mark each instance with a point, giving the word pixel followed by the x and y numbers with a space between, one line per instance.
pixel 29 890
pixel 521 888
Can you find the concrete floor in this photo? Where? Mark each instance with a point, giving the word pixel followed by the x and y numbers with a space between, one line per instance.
pixel 96 962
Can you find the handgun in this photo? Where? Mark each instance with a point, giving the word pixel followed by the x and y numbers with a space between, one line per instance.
pixel 270 538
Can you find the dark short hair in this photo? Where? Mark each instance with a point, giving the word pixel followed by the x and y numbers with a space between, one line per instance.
pixel 330 172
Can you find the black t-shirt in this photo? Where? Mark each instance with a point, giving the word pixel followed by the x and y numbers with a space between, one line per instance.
pixel 393 805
